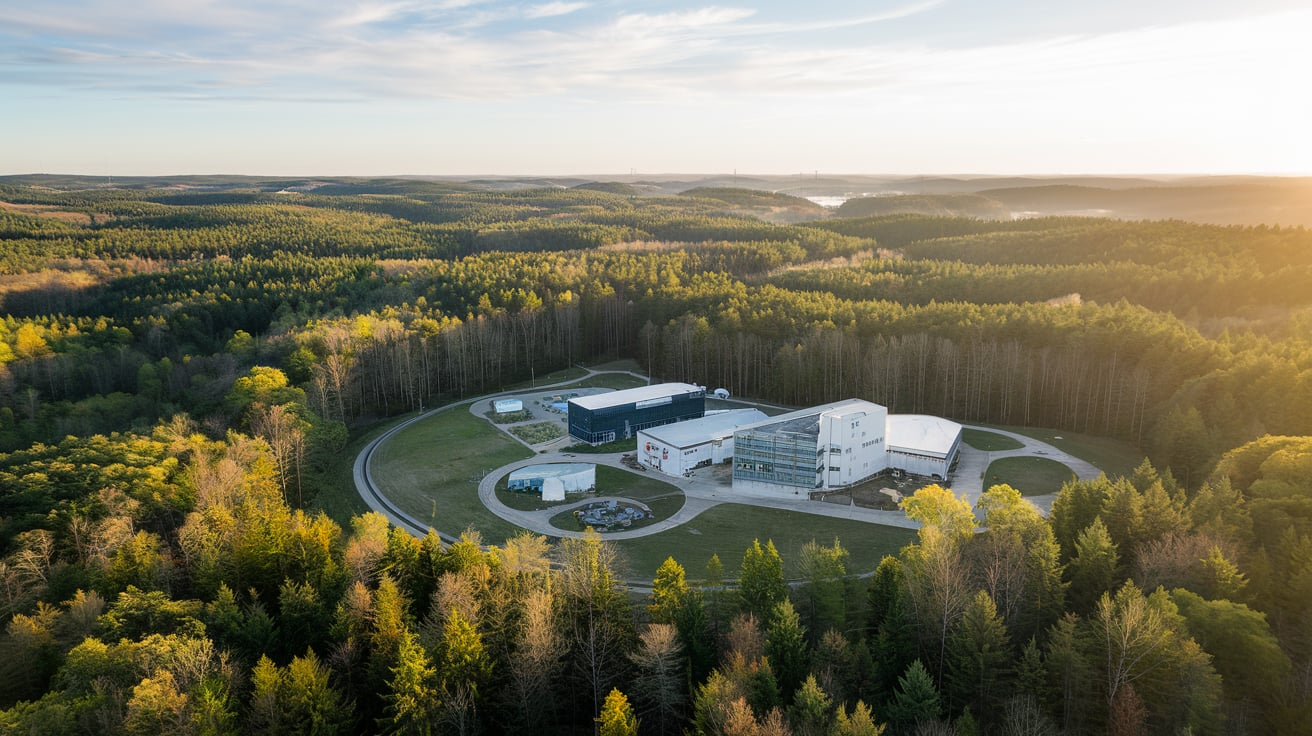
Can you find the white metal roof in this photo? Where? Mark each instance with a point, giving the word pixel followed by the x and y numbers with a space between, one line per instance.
pixel 840 408
pixel 551 470
pixel 697 431
pixel 633 395
pixel 921 434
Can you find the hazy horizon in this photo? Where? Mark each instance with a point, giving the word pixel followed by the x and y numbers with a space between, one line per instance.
pixel 929 87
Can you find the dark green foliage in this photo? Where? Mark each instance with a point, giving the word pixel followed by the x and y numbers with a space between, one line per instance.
pixel 159 574
pixel 1093 569
pixel 761 580
pixel 979 660
pixel 785 647
pixel 916 699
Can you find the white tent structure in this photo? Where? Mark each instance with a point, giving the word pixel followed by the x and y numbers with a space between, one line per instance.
pixel 554 480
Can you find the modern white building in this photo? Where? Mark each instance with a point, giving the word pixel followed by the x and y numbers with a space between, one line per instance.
pixel 676 449
pixel 922 445
pixel 507 406
pixel 554 480
pixel 839 445
pixel 831 446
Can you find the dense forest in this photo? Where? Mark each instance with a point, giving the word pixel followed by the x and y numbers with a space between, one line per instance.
pixel 180 367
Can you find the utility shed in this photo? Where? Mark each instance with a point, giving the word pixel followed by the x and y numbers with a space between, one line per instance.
pixel 676 449
pixel 620 415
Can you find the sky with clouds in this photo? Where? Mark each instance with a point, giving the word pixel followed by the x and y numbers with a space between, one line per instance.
pixel 376 87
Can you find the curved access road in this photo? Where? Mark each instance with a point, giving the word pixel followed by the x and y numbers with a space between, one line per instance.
pixel 701 491
pixel 362 471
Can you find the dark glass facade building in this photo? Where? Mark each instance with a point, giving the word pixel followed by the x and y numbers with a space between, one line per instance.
pixel 620 414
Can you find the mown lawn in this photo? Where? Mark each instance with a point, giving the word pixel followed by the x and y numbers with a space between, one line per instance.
pixel 431 471
pixel 1113 457
pixel 1032 476
pixel 728 530
pixel 989 441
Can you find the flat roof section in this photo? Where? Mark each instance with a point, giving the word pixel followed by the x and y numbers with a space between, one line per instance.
pixel 921 434
pixel 696 431
pixel 633 395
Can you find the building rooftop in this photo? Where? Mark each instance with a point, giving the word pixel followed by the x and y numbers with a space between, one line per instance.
pixel 807 421
pixel 633 395
pixel 697 431
pixel 921 434
pixel 551 470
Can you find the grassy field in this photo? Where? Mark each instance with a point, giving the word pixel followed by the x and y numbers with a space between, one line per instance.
pixel 1113 457
pixel 431 471
pixel 729 529
pixel 1032 476
pixel 989 441
pixel 613 380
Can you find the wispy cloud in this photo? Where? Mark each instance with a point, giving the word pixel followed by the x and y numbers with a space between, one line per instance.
pixel 553 10
pixel 482 49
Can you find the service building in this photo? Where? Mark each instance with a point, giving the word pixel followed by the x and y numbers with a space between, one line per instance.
pixel 677 449
pixel 620 415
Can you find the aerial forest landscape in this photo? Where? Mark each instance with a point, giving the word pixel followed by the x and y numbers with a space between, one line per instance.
pixel 347 437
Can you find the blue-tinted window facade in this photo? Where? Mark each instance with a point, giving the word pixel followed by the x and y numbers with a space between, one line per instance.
pixel 783 458
pixel 611 423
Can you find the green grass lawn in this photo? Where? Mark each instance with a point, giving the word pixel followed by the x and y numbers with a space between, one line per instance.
pixel 728 530
pixel 989 441
pixel 431 471
pixel 1032 476
pixel 613 380
pixel 1113 457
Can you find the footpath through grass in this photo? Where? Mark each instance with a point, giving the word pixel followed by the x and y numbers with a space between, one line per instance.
pixel 1032 476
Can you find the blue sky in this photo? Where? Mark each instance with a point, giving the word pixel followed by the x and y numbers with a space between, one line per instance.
pixel 376 87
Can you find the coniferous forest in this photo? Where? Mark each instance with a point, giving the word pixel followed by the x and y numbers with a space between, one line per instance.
pixel 181 367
